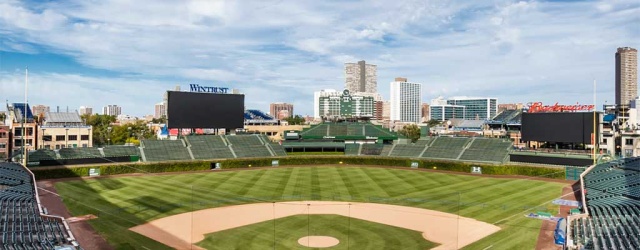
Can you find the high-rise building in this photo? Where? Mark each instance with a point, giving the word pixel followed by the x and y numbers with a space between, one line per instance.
pixel 476 108
pixel 440 110
pixel 405 100
pixel 160 110
pixel 361 77
pixel 332 103
pixel 40 110
pixel 85 110
pixel 626 75
pixel 112 110
pixel 275 109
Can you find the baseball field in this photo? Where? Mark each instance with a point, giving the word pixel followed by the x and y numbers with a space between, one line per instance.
pixel 375 208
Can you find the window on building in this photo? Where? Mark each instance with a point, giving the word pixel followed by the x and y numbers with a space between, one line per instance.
pixel 29 131
pixel 59 137
pixel 17 131
pixel 17 143
pixel 3 145
pixel 628 141
pixel 57 146
pixel 84 137
pixel 73 137
pixel 47 138
pixel 62 146
pixel 3 135
pixel 47 146
pixel 604 141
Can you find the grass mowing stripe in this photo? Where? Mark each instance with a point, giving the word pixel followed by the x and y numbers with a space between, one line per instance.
pixel 374 180
pixel 337 183
pixel 348 183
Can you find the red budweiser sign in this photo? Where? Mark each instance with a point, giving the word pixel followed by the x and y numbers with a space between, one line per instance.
pixel 538 107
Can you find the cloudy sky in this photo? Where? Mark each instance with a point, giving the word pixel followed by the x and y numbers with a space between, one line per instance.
pixel 99 52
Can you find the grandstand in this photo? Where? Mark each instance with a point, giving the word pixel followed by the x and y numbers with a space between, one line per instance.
pixel 22 222
pixel 164 150
pixel 407 150
pixel 612 207
pixel 484 149
pixel 75 153
pixel 254 117
pixel 446 147
pixel 208 147
pixel 116 151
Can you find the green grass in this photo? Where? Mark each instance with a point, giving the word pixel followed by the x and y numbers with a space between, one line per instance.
pixel 352 233
pixel 121 203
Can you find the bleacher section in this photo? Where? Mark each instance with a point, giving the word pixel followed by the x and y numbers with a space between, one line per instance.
pixel 407 150
pixel 484 149
pixel 115 151
pixel 208 147
pixel 372 149
pixel 244 140
pixel 75 153
pixel 251 151
pixel 42 154
pixel 277 149
pixel 165 150
pixel 351 149
pixel 21 224
pixel 613 202
pixel 248 146
pixel 446 147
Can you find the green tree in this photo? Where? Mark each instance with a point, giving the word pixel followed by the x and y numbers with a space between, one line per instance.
pixel 161 120
pixel 101 125
pixel 433 123
pixel 295 120
pixel 411 131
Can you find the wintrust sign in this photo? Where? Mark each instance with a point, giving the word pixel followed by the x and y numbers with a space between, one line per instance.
pixel 206 89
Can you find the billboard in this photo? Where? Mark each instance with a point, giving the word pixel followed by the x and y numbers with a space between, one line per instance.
pixel 204 110
pixel 563 127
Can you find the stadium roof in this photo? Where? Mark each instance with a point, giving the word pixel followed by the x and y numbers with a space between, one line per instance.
pixel 508 117
pixel 63 117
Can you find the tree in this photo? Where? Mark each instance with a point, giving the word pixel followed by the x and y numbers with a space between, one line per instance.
pixel 161 120
pixel 411 131
pixel 100 124
pixel 432 123
pixel 296 120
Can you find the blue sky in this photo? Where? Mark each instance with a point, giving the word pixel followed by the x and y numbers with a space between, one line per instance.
pixel 82 52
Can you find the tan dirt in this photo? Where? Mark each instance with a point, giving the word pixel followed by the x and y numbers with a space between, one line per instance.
pixel 318 241
pixel 181 231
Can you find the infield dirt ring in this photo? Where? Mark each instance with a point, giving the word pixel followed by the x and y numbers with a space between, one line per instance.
pixel 181 231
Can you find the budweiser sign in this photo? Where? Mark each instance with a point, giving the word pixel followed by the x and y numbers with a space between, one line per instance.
pixel 538 107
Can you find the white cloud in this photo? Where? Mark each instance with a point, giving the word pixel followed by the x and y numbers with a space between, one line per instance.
pixel 283 50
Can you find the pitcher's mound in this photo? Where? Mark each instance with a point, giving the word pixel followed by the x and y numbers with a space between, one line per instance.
pixel 318 241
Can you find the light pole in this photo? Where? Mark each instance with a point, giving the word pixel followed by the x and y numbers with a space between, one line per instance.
pixel 42 146
pixel 109 136
pixel 66 137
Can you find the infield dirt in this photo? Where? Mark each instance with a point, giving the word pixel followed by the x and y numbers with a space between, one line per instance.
pixel 182 231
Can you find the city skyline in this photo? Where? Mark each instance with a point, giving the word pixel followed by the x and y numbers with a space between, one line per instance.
pixel 508 50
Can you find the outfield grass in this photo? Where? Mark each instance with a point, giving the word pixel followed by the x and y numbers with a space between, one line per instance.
pixel 121 203
pixel 352 233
